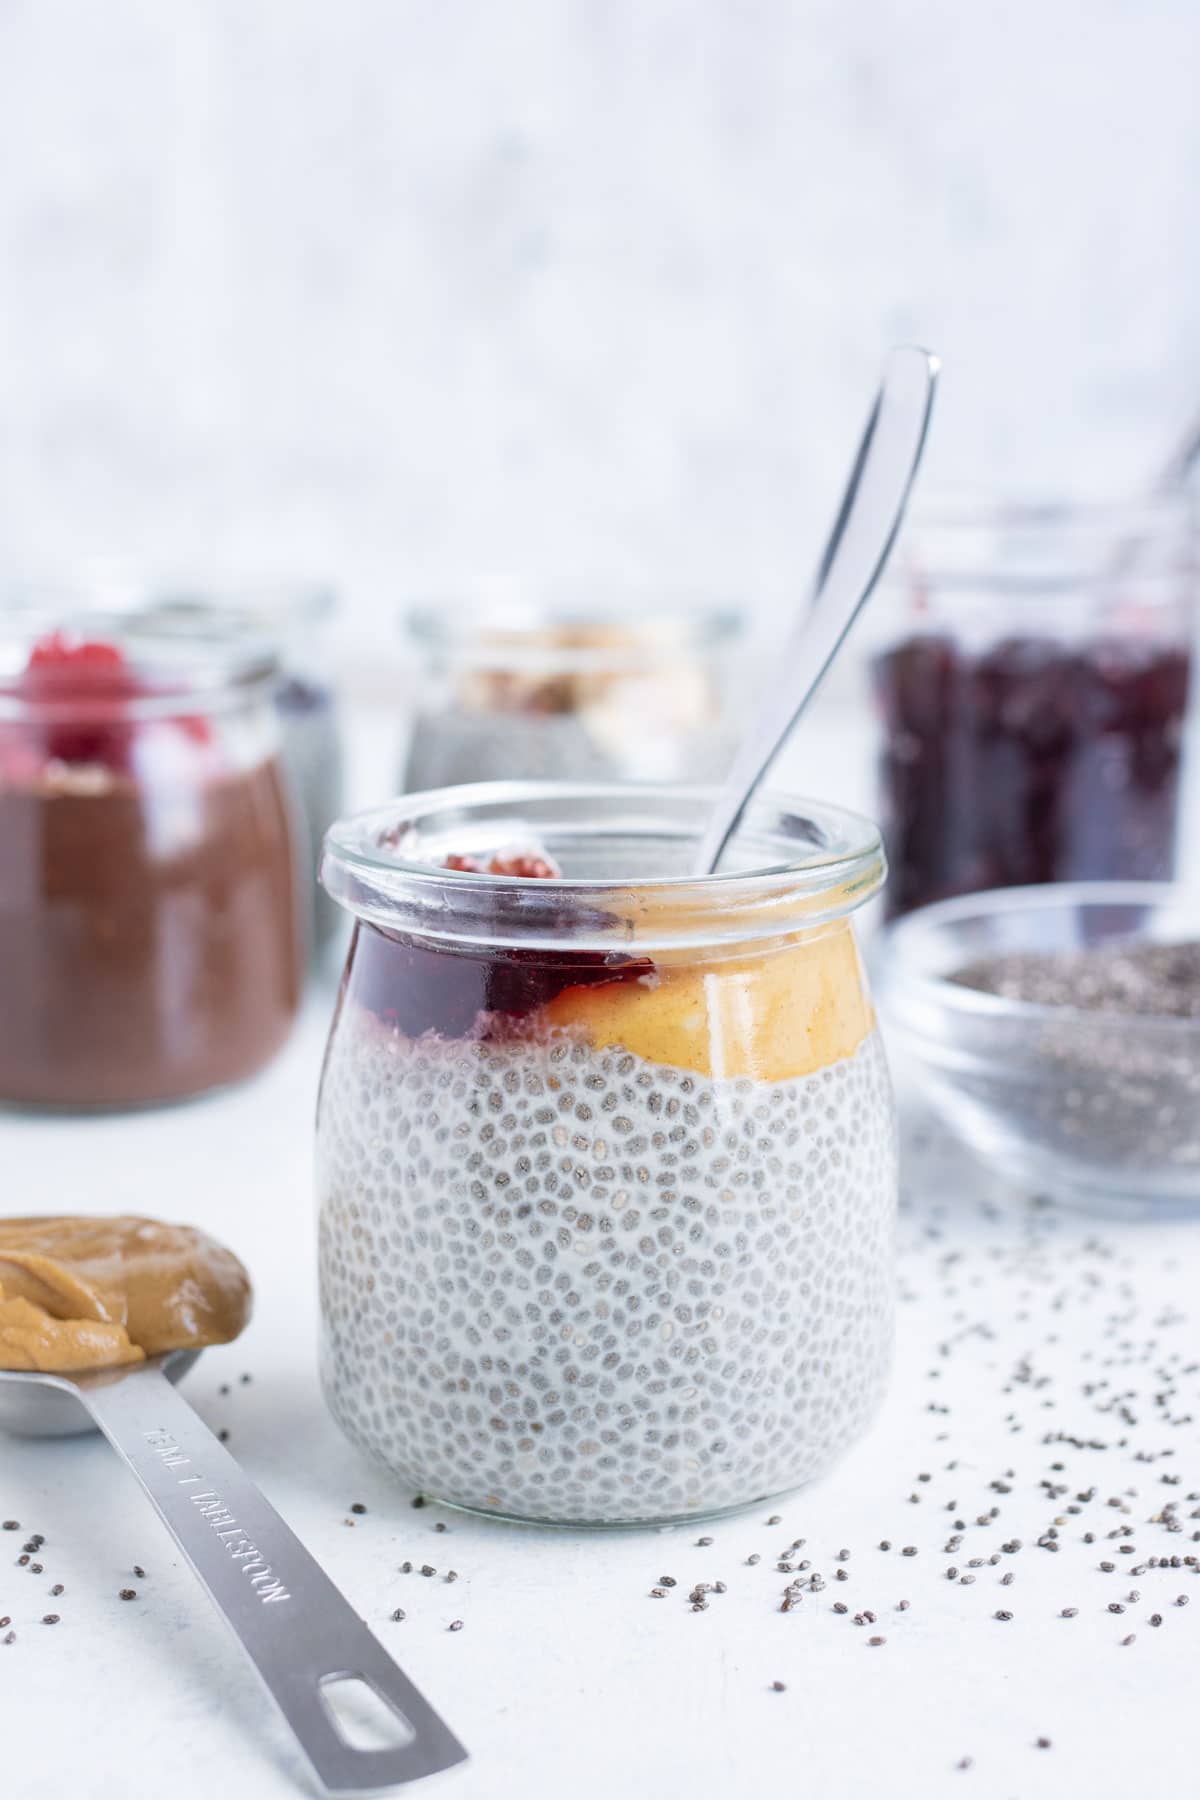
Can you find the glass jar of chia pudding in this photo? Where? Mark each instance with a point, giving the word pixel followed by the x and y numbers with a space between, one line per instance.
pixel 605 1153
pixel 151 943
pixel 571 685
pixel 1034 694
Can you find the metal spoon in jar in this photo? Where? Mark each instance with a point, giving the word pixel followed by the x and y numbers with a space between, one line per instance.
pixel 864 531
pixel 300 1633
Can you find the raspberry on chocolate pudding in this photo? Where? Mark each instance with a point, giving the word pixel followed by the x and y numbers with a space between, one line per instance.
pixel 150 945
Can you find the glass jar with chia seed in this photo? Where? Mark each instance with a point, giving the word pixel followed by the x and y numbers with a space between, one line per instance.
pixel 572 687
pixel 605 1153
pixel 151 943
pixel 296 618
pixel 1034 695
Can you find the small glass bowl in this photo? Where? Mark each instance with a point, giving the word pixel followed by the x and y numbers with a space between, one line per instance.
pixel 1098 1110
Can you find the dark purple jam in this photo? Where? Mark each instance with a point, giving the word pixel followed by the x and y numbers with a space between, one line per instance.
pixel 1032 761
pixel 463 993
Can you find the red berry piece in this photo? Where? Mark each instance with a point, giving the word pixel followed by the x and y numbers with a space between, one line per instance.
pixel 525 866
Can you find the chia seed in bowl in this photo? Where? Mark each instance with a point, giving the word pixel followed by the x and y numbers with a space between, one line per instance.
pixel 1057 1031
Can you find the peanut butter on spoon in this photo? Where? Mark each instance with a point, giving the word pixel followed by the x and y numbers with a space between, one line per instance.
pixel 91 1293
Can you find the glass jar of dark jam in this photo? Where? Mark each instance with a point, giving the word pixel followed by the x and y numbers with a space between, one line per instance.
pixel 1034 694
pixel 151 945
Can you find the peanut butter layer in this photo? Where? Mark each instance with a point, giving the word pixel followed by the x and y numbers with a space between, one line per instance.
pixel 84 1293
pixel 776 1016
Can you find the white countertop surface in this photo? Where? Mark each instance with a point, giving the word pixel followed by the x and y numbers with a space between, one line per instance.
pixel 1016 1323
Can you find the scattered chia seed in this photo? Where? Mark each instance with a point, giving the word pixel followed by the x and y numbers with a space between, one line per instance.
pixel 1043 1743
pixel 128 1594
pixel 703 1543
pixel 1156 1618
pixel 428 1569
pixel 1126 1641
pixel 455 1625
pixel 876 1641
pixel 139 1571
pixel 356 1506
pixel 398 1615
pixel 1069 1612
pixel 779 1687
pixel 1003 1615
pixel 50 1618
pixel 418 1500
pixel 56 1590
pixel 909 1550
pixel 245 1380
pixel 451 1574
pixel 11 1525
pixel 775 1519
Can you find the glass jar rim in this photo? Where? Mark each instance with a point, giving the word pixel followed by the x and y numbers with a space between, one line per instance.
pixel 546 626
pixel 1028 548
pixel 202 668
pixel 385 865
pixel 268 602
pixel 968 508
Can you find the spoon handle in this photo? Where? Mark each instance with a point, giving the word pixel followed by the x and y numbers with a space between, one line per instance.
pixel 297 1629
pixel 864 531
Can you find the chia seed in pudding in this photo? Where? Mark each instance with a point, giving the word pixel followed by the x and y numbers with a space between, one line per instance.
pixel 567 1274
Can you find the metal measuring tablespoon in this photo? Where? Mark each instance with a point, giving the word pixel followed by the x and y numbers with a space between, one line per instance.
pixel 864 530
pixel 300 1633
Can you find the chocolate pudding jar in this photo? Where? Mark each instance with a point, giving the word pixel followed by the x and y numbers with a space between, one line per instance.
pixel 605 1163
pixel 150 939
pixel 296 619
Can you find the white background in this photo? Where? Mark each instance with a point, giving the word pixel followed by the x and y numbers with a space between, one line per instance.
pixel 404 292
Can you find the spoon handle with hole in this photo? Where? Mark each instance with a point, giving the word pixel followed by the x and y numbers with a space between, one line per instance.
pixel 297 1629
pixel 868 519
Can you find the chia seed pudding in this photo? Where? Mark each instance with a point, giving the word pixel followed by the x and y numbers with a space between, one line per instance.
pixel 606 1169
pixel 582 693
